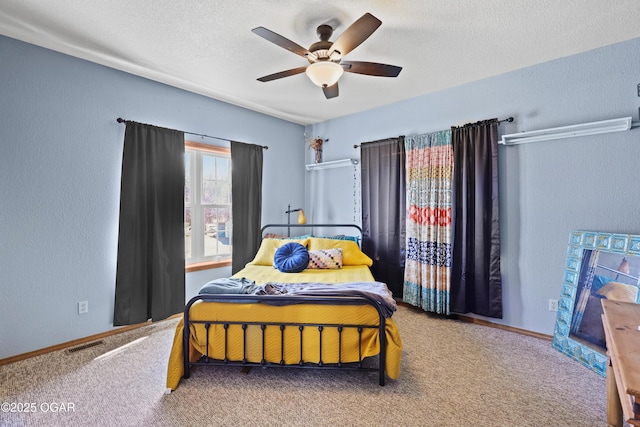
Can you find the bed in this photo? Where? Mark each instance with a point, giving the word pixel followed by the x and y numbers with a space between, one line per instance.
pixel 323 317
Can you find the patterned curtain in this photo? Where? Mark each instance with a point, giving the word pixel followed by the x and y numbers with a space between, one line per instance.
pixel 429 230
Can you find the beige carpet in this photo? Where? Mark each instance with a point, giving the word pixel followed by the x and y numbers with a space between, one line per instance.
pixel 453 374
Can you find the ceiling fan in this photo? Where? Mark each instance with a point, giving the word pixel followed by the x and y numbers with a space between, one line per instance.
pixel 325 57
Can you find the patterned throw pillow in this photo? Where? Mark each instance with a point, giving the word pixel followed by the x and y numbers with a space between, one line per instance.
pixel 326 259
pixel 351 253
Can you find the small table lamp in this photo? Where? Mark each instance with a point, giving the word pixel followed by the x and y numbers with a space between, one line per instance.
pixel 301 218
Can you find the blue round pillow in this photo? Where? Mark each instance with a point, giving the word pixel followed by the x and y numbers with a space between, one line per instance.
pixel 291 257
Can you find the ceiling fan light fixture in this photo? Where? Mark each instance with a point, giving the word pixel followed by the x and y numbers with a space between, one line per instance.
pixel 325 57
pixel 325 73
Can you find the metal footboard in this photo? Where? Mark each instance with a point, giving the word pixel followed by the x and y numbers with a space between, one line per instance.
pixel 321 326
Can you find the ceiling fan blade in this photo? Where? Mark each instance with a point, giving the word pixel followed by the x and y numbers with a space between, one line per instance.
pixel 331 91
pixel 282 74
pixel 281 41
pixel 358 32
pixel 371 68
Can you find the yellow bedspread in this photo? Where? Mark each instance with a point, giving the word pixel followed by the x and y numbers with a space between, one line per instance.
pixel 302 313
pixel 349 273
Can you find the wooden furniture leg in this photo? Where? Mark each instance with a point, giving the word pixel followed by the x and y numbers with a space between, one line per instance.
pixel 614 406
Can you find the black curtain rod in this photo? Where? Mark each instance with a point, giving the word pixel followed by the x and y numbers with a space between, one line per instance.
pixel 508 119
pixel 121 120
pixel 481 122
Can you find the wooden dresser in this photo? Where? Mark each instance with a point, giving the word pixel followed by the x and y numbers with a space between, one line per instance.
pixel 621 322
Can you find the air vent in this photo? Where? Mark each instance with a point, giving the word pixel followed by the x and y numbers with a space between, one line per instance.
pixel 84 347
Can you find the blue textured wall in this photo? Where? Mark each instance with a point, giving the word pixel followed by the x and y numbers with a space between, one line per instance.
pixel 60 162
pixel 60 154
pixel 547 188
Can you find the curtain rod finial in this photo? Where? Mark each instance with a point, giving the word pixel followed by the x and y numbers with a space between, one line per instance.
pixel 120 120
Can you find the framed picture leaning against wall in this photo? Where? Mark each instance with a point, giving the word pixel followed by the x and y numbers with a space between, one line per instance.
pixel 598 266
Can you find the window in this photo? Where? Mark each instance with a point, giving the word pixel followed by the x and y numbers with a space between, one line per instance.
pixel 207 205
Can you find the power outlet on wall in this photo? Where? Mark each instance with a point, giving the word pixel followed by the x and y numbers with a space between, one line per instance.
pixel 553 305
pixel 83 307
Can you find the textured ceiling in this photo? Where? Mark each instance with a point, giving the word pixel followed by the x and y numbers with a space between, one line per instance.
pixel 207 47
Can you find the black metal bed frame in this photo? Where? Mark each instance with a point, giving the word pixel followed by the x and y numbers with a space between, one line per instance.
pixel 205 360
pixel 321 325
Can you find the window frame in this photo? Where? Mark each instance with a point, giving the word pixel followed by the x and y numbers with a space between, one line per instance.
pixel 196 263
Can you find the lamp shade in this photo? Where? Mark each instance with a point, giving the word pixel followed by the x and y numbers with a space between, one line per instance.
pixel 324 73
pixel 301 218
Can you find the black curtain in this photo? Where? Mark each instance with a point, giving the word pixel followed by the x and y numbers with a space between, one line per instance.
pixel 383 209
pixel 246 202
pixel 475 277
pixel 150 281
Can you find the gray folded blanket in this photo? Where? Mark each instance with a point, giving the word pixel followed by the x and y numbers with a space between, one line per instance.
pixel 230 285
pixel 378 291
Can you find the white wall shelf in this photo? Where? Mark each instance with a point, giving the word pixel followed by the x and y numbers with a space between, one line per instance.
pixel 593 128
pixel 332 164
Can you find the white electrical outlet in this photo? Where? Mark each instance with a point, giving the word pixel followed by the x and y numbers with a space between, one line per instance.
pixel 83 307
pixel 553 305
